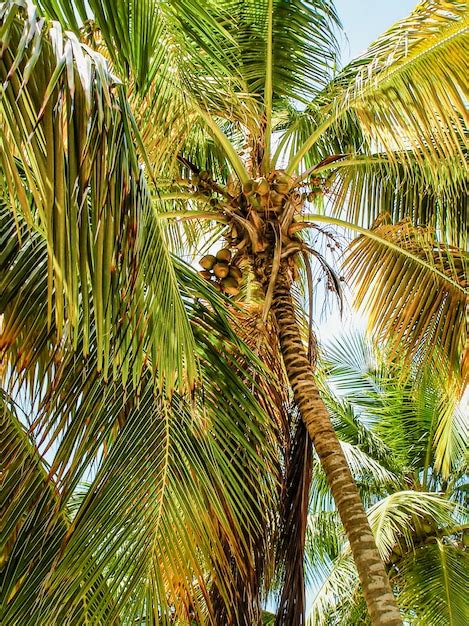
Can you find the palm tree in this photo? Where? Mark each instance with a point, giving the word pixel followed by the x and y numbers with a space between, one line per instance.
pixel 137 464
pixel 405 441
pixel 214 99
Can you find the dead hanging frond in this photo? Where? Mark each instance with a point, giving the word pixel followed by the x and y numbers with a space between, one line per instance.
pixel 293 522
pixel 275 386
pixel 414 290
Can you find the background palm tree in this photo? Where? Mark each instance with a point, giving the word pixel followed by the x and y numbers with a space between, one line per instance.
pixel 205 91
pixel 405 440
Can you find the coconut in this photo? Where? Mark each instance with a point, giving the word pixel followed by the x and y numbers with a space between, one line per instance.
pixel 224 255
pixel 235 273
pixel 255 203
pixel 282 188
pixel 263 187
pixel 276 199
pixel 221 270
pixel 230 285
pixel 206 274
pixel 248 187
pixel 208 261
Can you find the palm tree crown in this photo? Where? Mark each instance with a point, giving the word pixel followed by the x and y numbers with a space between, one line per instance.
pixel 141 127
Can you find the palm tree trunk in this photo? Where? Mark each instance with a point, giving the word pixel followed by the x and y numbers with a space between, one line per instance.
pixel 375 583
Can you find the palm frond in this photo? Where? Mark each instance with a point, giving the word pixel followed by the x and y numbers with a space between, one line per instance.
pixel 337 598
pixel 93 431
pixel 169 487
pixel 419 306
pixel 90 200
pixel 436 574
pixel 36 524
pixel 421 408
pixel 399 524
pixel 396 519
pixel 363 188
pixel 407 91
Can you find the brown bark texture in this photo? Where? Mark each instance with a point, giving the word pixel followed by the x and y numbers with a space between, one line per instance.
pixel 379 598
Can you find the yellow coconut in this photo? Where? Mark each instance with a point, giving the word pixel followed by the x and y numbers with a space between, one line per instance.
pixel 230 285
pixel 236 273
pixel 282 188
pixel 208 261
pixel 206 274
pixel 263 187
pixel 221 270
pixel 224 255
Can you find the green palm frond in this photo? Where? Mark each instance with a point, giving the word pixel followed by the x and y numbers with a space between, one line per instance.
pixel 137 448
pixel 407 91
pixel 77 180
pixel 400 523
pixel 414 421
pixel 418 303
pixel 436 574
pixel 324 543
pixel 168 493
pixel 363 188
pixel 35 524
pixel 278 42
pixel 338 597
pixel 237 60
pixel 450 438
pixel 397 518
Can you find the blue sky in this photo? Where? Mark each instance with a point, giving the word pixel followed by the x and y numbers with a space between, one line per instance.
pixel 364 20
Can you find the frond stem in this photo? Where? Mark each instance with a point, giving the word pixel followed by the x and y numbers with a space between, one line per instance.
pixel 372 235
pixel 228 147
pixel 268 89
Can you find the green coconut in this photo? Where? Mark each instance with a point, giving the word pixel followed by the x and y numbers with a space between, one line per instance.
pixel 208 261
pixel 221 270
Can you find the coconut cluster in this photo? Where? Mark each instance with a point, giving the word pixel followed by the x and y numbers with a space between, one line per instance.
pixel 220 270
pixel 267 195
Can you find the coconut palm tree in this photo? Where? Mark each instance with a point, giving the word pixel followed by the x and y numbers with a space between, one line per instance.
pixel 405 441
pixel 244 131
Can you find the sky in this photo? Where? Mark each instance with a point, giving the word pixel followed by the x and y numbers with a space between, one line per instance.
pixel 365 20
